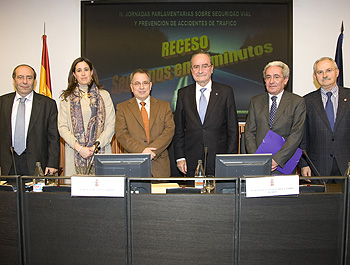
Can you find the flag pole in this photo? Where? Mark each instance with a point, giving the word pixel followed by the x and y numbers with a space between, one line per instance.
pixel 45 77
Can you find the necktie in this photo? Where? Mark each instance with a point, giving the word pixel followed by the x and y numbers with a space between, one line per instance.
pixel 145 119
pixel 202 105
pixel 329 110
pixel 20 141
pixel 273 109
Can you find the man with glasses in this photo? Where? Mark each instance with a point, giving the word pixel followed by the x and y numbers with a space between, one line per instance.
pixel 277 110
pixel 205 119
pixel 145 124
pixel 327 126
pixel 28 130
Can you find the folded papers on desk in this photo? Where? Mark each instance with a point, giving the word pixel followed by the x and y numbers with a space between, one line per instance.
pixel 271 144
pixel 160 188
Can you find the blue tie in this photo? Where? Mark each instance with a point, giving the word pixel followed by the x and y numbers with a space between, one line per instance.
pixel 329 110
pixel 202 105
pixel 273 109
pixel 20 141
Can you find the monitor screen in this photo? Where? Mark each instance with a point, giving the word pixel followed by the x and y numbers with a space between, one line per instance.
pixel 240 165
pixel 130 165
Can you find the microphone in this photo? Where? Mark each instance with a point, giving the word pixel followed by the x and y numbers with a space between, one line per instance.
pixel 13 159
pixel 312 166
pixel 205 158
pixel 96 146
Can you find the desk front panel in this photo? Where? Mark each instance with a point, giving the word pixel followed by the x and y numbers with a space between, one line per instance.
pixel 305 229
pixel 182 229
pixel 64 230
pixel 9 239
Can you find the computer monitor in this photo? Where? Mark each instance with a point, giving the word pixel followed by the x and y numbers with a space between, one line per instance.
pixel 130 165
pixel 240 165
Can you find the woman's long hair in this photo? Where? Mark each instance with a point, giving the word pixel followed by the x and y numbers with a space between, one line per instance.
pixel 72 82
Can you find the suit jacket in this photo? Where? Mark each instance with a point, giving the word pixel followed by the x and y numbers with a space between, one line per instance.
pixel 43 141
pixel 130 131
pixel 288 123
pixel 319 141
pixel 219 132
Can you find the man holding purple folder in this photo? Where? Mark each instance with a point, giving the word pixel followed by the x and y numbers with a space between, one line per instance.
pixel 277 110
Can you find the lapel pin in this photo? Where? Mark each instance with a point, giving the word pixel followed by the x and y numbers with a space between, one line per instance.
pixel 216 94
pixel 345 99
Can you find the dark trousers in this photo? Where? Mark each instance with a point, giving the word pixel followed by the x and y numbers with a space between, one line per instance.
pixel 21 165
pixel 334 172
pixel 335 169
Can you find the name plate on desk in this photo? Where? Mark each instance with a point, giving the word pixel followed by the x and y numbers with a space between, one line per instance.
pixel 97 186
pixel 272 186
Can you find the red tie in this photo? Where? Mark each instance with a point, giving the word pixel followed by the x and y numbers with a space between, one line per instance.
pixel 145 119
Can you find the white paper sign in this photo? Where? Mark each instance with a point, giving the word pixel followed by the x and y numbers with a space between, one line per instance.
pixel 272 186
pixel 97 186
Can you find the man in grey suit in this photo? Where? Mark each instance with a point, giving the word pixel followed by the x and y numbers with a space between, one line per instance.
pixel 214 127
pixel 287 115
pixel 39 140
pixel 327 137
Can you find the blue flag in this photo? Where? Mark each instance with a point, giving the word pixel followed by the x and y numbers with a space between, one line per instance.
pixel 339 56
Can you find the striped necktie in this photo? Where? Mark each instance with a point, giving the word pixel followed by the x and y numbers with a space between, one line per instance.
pixel 273 109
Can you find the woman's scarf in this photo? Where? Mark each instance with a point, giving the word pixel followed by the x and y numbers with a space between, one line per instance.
pixel 87 138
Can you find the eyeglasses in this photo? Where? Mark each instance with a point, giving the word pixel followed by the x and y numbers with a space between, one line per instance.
pixel 203 66
pixel 327 71
pixel 276 77
pixel 144 83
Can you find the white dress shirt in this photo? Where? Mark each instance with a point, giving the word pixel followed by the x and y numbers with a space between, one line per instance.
pixel 28 110
pixel 334 99
pixel 147 106
pixel 206 93
pixel 278 99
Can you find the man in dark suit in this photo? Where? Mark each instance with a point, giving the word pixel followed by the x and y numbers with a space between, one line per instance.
pixel 40 139
pixel 215 125
pixel 152 135
pixel 327 139
pixel 287 115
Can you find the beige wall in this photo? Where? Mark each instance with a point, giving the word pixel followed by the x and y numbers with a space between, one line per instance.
pixel 315 28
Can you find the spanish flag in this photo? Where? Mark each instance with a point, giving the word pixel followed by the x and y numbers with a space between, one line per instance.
pixel 339 56
pixel 45 80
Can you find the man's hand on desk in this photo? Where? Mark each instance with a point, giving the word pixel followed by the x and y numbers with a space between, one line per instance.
pixel 182 166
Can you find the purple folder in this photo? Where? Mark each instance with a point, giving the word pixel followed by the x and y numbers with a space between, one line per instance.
pixel 272 143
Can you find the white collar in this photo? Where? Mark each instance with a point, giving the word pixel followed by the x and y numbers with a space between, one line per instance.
pixel 208 86
pixel 29 97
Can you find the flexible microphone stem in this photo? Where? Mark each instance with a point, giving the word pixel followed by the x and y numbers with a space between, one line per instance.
pixel 97 147
pixel 13 160
pixel 205 158
pixel 312 166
